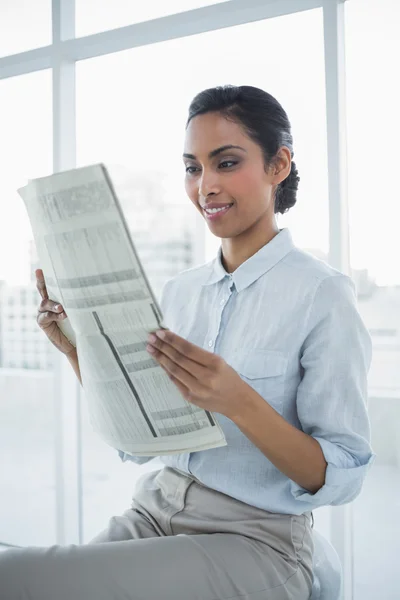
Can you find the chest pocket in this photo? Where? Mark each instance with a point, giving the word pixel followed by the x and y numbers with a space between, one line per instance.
pixel 264 371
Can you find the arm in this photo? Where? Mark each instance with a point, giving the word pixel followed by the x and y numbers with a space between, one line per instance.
pixel 332 396
pixel 295 453
pixel 328 460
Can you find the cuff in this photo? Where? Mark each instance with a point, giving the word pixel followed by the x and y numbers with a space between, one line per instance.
pixel 342 483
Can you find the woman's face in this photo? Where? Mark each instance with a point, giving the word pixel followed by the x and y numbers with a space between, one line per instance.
pixel 225 177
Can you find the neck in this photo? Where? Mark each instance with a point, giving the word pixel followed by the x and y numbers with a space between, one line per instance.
pixel 236 250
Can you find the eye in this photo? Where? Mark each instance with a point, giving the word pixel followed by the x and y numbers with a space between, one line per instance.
pixel 190 169
pixel 228 164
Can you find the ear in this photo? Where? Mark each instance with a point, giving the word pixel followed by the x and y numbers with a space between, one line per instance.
pixel 281 165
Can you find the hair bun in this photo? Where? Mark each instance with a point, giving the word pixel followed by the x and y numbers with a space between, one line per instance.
pixel 286 193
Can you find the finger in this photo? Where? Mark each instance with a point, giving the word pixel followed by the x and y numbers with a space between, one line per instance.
pixel 192 367
pixel 50 305
pixel 45 318
pixel 41 284
pixel 182 388
pixel 174 370
pixel 191 351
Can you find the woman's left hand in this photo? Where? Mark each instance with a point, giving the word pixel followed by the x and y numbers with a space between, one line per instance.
pixel 202 377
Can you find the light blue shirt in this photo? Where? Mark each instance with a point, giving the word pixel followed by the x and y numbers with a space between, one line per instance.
pixel 289 325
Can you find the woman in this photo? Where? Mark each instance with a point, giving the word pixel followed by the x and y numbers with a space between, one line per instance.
pixel 270 339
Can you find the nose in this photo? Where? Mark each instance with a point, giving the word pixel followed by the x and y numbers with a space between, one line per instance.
pixel 209 183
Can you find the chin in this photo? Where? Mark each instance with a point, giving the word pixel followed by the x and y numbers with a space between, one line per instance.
pixel 225 232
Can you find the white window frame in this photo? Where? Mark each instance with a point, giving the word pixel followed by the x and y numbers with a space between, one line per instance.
pixel 61 56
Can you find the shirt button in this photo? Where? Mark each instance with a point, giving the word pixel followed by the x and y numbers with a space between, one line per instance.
pixel 222 301
pixel 210 344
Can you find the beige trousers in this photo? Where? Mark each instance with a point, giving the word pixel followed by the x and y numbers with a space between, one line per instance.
pixel 179 541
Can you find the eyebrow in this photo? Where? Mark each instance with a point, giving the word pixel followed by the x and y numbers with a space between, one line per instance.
pixel 217 151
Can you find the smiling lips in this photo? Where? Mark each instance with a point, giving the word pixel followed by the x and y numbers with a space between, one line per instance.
pixel 214 211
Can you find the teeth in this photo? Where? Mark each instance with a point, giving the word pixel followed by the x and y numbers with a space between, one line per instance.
pixel 215 210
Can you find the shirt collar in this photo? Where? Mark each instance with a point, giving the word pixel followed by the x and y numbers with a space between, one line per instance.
pixel 255 266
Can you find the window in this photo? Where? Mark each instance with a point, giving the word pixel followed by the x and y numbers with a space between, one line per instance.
pixel 24 25
pixel 118 124
pixel 93 16
pixel 373 51
pixel 137 118
pixel 26 432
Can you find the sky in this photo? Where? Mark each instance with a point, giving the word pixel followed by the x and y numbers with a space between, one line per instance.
pixel 132 106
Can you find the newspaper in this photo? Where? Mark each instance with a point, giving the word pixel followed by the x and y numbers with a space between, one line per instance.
pixel 92 268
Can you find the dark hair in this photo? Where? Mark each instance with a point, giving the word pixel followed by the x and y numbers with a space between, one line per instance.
pixel 264 121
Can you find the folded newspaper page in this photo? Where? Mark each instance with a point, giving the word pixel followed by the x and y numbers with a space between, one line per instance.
pixel 92 268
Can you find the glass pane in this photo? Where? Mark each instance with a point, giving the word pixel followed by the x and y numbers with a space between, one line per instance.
pixel 126 117
pixel 374 131
pixel 27 471
pixel 93 16
pixel 24 25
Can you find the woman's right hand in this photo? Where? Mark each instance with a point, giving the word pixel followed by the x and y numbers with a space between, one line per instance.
pixel 49 314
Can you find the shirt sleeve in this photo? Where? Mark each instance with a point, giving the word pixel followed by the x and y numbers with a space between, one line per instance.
pixel 331 397
pixel 140 460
